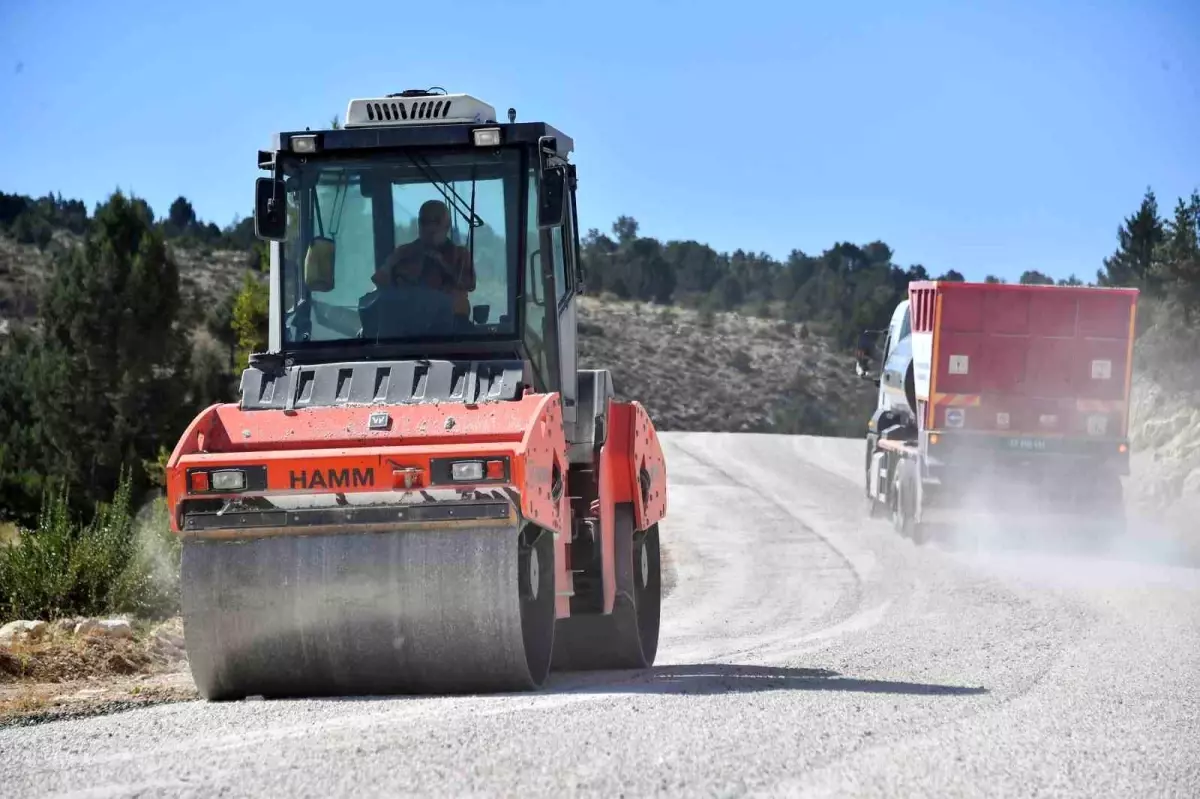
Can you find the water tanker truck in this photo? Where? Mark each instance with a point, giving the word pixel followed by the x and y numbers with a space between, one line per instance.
pixel 1000 403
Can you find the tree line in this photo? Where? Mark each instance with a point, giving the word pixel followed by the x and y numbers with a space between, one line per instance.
pixel 843 290
pixel 109 377
pixel 34 220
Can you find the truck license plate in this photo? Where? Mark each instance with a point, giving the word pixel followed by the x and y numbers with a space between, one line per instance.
pixel 1027 444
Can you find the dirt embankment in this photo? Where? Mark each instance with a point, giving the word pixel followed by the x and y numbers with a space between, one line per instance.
pixel 723 373
pixel 1165 433
pixel 1164 487
pixel 77 667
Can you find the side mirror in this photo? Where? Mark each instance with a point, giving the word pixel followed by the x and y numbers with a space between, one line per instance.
pixel 319 263
pixel 551 197
pixel 862 368
pixel 270 209
pixel 864 354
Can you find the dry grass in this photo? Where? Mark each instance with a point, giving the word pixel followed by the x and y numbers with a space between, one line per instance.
pixel 23 704
pixel 61 674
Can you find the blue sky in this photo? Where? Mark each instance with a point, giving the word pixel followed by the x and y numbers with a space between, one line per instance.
pixel 993 139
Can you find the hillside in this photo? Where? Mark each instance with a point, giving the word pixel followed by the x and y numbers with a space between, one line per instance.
pixel 718 371
pixel 724 372
pixel 708 341
pixel 1165 423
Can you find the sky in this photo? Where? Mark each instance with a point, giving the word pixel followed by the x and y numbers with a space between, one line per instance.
pixel 991 139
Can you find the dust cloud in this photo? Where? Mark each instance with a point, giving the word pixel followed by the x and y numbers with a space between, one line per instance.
pixel 1004 527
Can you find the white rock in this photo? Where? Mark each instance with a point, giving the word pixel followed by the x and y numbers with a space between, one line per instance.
pixel 117 628
pixel 88 627
pixel 104 628
pixel 22 631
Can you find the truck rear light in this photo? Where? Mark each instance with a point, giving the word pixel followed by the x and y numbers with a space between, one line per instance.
pixel 495 470
pixel 934 438
pixel 198 482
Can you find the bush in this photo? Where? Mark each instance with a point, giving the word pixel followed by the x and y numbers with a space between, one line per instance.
pixel 110 565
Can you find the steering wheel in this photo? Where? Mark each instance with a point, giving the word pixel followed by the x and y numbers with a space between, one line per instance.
pixel 404 311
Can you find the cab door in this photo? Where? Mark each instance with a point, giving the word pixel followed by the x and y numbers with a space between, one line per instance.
pixel 565 252
pixel 896 359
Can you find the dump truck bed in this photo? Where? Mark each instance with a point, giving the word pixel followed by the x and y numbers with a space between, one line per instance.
pixel 1024 364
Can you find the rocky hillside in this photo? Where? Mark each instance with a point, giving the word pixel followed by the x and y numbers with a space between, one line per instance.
pixel 205 276
pixel 1165 424
pixel 693 371
pixel 723 372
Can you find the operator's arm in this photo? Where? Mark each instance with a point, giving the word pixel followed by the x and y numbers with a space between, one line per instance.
pixel 404 261
pixel 464 269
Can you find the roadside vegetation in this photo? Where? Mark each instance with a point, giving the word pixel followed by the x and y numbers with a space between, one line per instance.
pixel 117 327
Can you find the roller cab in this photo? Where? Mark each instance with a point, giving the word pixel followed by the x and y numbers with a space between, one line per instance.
pixel 418 490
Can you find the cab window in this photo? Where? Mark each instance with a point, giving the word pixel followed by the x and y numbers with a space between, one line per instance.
pixel 561 287
pixel 533 294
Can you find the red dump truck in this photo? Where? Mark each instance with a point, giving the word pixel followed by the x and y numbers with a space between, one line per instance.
pixel 1001 402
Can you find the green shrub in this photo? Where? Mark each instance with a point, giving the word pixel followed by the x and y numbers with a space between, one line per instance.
pixel 110 565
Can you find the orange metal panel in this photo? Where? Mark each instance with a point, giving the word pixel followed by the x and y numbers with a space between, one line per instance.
pixel 650 505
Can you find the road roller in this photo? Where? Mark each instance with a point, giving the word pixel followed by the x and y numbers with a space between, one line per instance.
pixel 418 489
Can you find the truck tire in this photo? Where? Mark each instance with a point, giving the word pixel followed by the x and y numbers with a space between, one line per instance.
pixel 904 507
pixel 873 506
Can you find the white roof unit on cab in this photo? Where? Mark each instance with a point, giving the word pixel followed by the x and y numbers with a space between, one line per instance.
pixel 417 110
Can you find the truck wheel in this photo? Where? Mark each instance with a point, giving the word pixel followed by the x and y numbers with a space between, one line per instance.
pixel 899 521
pixel 873 506
pixel 904 509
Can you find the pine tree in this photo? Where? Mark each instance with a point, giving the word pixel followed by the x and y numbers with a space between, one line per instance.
pixel 115 372
pixel 1179 264
pixel 1138 240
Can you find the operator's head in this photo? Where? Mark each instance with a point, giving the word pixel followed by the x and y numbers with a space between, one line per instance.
pixel 433 222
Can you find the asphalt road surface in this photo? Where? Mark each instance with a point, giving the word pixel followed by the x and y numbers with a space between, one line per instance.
pixel 805 652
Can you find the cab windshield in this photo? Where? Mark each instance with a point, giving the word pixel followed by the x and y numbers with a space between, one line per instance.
pixel 414 246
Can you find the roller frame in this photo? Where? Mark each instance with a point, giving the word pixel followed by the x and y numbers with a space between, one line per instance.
pixel 346 447
pixel 527 433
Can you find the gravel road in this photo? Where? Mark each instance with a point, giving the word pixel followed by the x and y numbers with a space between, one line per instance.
pixel 805 652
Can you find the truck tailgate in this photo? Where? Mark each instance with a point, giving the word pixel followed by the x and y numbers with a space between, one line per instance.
pixel 1016 360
